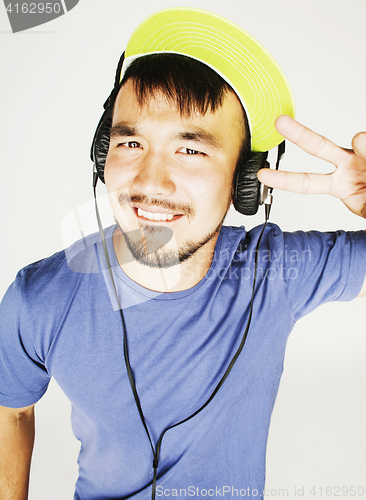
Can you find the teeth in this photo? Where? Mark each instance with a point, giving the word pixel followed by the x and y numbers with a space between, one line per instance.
pixel 154 216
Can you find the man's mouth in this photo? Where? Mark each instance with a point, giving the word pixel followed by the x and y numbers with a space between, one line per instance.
pixel 156 216
pixel 155 210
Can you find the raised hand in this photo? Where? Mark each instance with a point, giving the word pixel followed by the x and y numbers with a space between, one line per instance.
pixel 347 182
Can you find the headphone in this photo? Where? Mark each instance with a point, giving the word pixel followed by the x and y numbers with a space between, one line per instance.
pixel 248 192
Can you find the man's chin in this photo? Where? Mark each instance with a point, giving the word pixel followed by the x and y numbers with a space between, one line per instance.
pixel 158 260
pixel 149 246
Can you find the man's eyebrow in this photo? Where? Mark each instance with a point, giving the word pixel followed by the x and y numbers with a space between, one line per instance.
pixel 199 136
pixel 122 129
pixel 202 136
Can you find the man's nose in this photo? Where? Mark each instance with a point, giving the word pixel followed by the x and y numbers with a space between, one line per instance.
pixel 154 177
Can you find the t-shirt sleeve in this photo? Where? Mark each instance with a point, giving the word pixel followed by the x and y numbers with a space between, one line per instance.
pixel 322 267
pixel 23 376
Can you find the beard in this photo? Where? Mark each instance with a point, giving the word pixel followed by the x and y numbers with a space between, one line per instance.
pixel 148 244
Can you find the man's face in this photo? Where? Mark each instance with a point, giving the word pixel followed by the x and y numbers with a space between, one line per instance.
pixel 169 177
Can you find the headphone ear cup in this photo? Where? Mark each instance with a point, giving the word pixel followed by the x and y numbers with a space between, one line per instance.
pixel 101 145
pixel 247 186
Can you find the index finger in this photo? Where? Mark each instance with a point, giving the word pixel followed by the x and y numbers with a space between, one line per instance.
pixel 309 141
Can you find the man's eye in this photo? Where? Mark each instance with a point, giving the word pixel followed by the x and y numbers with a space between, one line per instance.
pixel 130 144
pixel 189 151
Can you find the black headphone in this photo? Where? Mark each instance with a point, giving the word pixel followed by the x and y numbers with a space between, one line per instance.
pixel 248 192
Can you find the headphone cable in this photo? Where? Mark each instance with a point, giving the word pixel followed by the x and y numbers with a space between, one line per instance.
pixel 157 448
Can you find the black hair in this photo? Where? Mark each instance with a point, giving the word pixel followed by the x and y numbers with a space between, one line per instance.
pixel 192 85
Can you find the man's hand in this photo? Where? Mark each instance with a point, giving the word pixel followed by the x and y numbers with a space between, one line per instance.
pixel 347 182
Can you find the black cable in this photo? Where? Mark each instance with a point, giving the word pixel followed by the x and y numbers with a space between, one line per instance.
pixel 225 375
pixel 125 346
pixel 156 450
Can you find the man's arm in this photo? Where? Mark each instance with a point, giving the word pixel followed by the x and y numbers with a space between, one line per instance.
pixel 17 439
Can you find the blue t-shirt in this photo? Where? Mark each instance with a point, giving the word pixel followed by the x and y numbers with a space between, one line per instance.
pixel 59 318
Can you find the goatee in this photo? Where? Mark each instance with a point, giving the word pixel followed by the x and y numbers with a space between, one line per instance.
pixel 147 246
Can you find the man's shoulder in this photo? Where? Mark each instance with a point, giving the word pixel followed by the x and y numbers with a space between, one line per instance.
pixel 270 226
pixel 239 235
pixel 63 268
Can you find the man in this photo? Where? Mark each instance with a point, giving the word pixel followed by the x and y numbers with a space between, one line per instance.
pixel 172 392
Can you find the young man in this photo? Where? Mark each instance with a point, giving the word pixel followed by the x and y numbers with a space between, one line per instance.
pixel 170 341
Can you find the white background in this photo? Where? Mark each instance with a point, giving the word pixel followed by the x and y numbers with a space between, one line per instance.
pixel 54 80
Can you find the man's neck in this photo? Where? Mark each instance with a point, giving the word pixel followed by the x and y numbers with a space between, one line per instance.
pixel 170 279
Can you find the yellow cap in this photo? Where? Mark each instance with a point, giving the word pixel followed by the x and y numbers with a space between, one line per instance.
pixel 229 50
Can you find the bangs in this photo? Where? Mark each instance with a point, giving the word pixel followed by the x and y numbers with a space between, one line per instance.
pixel 187 83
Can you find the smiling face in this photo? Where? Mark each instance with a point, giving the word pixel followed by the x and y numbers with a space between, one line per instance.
pixel 169 176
